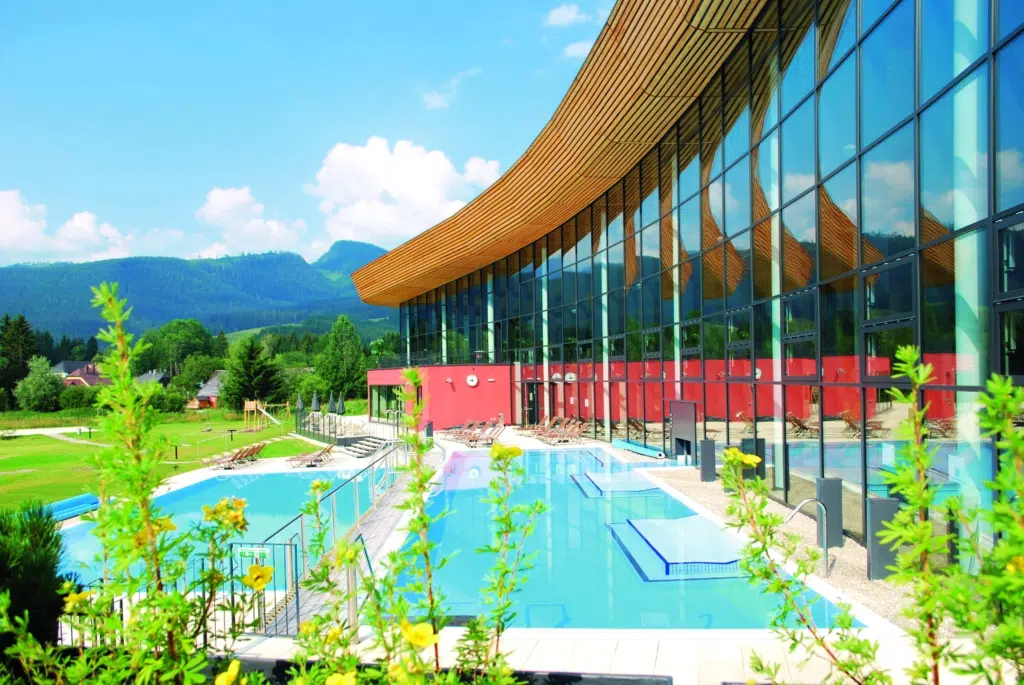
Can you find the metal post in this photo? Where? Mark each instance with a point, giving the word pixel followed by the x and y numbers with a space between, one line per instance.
pixel 353 599
pixel 302 542
pixel 334 514
pixel 823 512
pixel 355 498
pixel 373 486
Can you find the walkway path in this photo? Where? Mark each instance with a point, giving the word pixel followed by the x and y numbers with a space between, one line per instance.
pixel 48 431
pixel 75 441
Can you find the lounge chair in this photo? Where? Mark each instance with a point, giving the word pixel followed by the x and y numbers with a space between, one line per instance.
pixel 800 427
pixel 748 423
pixel 486 437
pixel 238 454
pixel 310 458
pixel 245 457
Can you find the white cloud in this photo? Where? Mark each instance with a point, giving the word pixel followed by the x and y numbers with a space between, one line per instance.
pixel 566 14
pixel 602 14
pixel 578 50
pixel 386 195
pixel 83 237
pixel 797 183
pixel 443 97
pixel 243 226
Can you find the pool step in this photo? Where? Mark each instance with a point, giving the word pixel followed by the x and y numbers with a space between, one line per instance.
pixel 363 448
pixel 690 548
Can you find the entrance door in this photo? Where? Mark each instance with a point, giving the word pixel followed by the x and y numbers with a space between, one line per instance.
pixel 531 411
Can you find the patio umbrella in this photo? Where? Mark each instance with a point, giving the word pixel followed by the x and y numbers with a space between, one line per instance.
pixel 341 404
pixel 330 407
pixel 298 405
pixel 316 402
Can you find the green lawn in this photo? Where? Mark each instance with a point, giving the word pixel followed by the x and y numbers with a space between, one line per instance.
pixel 44 468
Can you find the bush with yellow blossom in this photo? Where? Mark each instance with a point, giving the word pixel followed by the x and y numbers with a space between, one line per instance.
pixel 979 597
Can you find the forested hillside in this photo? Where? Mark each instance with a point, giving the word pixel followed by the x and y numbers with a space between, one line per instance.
pixel 227 294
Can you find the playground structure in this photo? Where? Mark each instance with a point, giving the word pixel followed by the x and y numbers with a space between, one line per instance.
pixel 256 417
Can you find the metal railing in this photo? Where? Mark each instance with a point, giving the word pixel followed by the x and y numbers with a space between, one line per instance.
pixel 824 526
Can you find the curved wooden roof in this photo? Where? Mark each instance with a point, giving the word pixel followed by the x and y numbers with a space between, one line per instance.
pixel 649 64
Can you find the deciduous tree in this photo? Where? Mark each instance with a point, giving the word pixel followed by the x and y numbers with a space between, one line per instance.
pixel 40 389
pixel 342 364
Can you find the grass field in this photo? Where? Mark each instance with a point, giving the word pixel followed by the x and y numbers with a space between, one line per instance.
pixel 45 468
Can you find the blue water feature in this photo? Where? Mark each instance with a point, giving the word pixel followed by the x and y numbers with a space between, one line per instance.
pixel 582 577
pixel 272 499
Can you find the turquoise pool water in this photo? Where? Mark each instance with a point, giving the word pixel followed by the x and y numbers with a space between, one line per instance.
pixel 272 500
pixel 583 577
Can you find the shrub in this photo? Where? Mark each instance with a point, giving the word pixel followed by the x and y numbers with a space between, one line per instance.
pixel 169 401
pixel 5 403
pixel 40 389
pixel 78 397
pixel 31 550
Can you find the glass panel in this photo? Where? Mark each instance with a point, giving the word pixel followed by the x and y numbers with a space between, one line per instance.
pixel 583 237
pixel 797 52
pixel 689 228
pixel 616 266
pixel 649 204
pixel 840 345
pixel 737 103
pixel 711 291
pixel 1011 14
pixel 689 337
pixel 800 313
pixel 765 68
pixel 880 347
pixel 614 203
pixel 837 208
pixel 838 32
pixel 569 243
pixel 689 157
pixel 634 311
pixel 801 358
pixel 714 349
pixel 955 309
pixel 652 301
pixel 1011 252
pixel 713 213
pixel 711 129
pixel 599 226
pixel 1009 132
pixel 768 340
pixel 890 292
pixel 616 312
pixel 841 429
pixel 766 188
pixel 689 290
pixel 798 152
pixel 554 292
pixel 954 34
pixel 837 141
pixel 739 327
pixel 803 431
pixel 887 79
pixel 770 424
pixel 767 253
pixel 737 197
pixel 668 195
pixel 631 215
pixel 650 242
pixel 954 158
pixel 871 10
pixel 799 244
pixel 1011 327
pixel 887 187
pixel 737 271
pixel 714 412
pixel 741 412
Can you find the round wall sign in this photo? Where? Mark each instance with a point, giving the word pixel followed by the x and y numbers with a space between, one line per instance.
pixel 472 380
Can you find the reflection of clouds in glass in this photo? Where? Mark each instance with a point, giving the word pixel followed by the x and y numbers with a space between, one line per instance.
pixel 798 218
pixel 1010 168
pixel 888 191
pixel 795 183
pixel 731 203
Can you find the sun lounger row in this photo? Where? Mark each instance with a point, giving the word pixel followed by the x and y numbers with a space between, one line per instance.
pixel 476 433
pixel 241 457
pixel 311 459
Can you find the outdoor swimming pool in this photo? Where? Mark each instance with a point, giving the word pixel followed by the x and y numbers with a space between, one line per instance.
pixel 272 500
pixel 593 566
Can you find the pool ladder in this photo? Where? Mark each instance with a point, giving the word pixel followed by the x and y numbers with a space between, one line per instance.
pixel 824 525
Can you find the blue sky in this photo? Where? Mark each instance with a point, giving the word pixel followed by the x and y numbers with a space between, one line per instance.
pixel 221 127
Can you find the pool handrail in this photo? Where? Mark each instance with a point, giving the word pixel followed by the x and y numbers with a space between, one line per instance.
pixel 382 455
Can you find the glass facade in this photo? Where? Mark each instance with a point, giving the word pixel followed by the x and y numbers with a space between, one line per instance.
pixel 845 184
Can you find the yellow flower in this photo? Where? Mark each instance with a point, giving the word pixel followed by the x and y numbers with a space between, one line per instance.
pixel 229 676
pixel 750 681
pixel 333 635
pixel 1015 565
pixel 164 525
pixel 320 486
pixel 306 628
pixel 420 635
pixel 397 674
pixel 257 577
pixel 339 679
pixel 749 459
pixel 73 599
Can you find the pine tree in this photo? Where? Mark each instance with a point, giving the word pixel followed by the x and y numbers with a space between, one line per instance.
pixel 17 345
pixel 219 347
pixel 44 346
pixel 251 376
pixel 92 348
pixel 342 364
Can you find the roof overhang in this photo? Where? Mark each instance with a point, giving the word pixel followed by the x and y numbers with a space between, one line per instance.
pixel 648 65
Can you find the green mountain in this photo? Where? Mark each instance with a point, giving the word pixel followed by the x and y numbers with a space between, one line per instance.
pixel 230 293
pixel 344 257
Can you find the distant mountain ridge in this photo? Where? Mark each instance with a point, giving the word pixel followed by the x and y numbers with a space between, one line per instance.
pixel 230 293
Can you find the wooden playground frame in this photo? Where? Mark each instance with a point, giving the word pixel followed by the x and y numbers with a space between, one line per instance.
pixel 256 416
